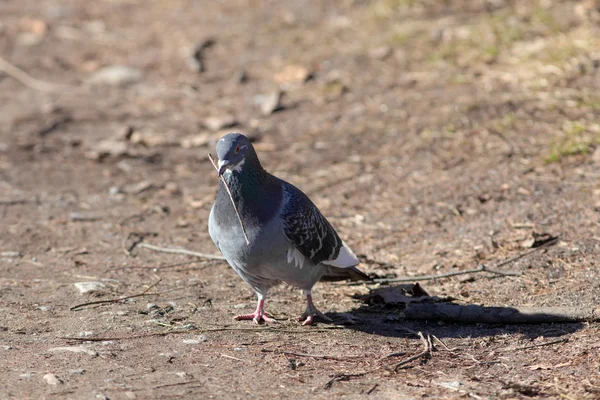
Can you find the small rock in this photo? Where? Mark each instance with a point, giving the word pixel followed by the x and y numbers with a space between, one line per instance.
pixel 182 223
pixel 116 75
pixel 380 53
pixel 125 133
pixel 75 349
pixel 150 139
pixel 137 188
pixel 114 190
pixel 109 147
pixel 240 77
pixel 44 308
pixel 199 339
pixel 172 188
pixel 450 385
pixel 241 305
pixel 7 347
pixel 192 141
pixel 78 371
pixel 26 375
pixel 292 74
pixel 52 379
pixel 220 122
pixel 270 103
pixel 11 254
pixel 86 334
pixel 89 287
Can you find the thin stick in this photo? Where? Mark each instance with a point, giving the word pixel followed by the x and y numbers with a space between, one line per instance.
pixel 202 330
pixel 29 81
pixel 532 346
pixel 230 197
pixel 343 377
pixel 180 251
pixel 175 384
pixel 443 344
pixel 481 268
pixel 425 352
pixel 320 356
pixel 144 293
pixel 232 357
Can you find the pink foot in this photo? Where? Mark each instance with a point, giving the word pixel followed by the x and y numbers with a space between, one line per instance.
pixel 258 315
pixel 311 312
pixel 308 320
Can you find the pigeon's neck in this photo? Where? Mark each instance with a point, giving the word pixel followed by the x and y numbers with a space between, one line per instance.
pixel 256 193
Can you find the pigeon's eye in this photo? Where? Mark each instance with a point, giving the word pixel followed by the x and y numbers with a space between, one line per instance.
pixel 237 149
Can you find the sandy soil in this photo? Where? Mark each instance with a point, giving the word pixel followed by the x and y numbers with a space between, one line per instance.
pixel 435 136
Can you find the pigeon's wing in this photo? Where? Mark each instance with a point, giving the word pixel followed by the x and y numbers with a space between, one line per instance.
pixel 310 234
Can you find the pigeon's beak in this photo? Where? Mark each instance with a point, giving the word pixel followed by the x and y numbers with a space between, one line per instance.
pixel 222 166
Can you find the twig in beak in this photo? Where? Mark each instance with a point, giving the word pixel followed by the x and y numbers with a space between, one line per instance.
pixel 231 198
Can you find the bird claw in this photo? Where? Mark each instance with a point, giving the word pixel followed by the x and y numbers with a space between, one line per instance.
pixel 256 318
pixel 309 316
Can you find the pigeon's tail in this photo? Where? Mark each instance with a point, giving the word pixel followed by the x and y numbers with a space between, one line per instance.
pixel 333 274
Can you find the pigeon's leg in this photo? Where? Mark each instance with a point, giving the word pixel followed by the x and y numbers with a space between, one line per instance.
pixel 259 314
pixel 311 311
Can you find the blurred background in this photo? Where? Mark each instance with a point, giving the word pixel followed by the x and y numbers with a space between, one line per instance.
pixel 434 135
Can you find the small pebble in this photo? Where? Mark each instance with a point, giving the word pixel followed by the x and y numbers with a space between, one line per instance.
pixel 220 122
pixel 117 75
pixel 89 287
pixel 52 379
pixel 79 371
pixel 199 339
pixel 10 254
pixel 75 349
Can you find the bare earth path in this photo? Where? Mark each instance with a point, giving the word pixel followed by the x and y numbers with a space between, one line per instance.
pixel 434 135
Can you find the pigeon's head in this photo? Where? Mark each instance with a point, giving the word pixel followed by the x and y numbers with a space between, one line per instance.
pixel 233 149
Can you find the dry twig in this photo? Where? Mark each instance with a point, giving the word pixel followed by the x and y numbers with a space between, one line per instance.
pixel 144 293
pixel 181 251
pixel 320 356
pixel 343 377
pixel 481 268
pixel 231 198
pixel 200 330
pixel 425 353
pixel 532 346
pixel 29 81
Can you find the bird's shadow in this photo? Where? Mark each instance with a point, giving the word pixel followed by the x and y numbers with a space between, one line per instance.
pixel 389 320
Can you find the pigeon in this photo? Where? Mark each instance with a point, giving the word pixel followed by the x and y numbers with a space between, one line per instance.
pixel 288 239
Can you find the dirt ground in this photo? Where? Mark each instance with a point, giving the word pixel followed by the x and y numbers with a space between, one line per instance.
pixel 434 135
